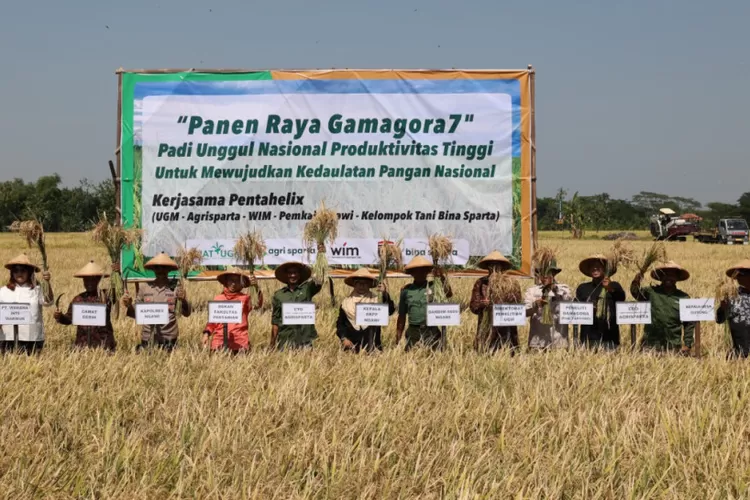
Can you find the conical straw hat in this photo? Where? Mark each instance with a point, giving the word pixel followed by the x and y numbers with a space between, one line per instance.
pixel 90 269
pixel 743 266
pixel 282 272
pixel 659 271
pixel 221 278
pixel 417 262
pixel 585 265
pixel 360 274
pixel 163 260
pixel 495 257
pixel 22 260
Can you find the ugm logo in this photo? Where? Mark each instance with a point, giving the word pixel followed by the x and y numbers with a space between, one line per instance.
pixel 217 250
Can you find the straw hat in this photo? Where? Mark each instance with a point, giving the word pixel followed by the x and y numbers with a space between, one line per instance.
pixel 90 270
pixel 659 271
pixel 162 260
pixel 417 262
pixel 740 267
pixel 495 257
pixel 282 272
pixel 22 260
pixel 221 278
pixel 360 274
pixel 585 265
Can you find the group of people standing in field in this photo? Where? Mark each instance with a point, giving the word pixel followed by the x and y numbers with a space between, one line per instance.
pixel 665 333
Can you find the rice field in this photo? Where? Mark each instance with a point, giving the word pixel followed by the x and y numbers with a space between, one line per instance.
pixel 323 424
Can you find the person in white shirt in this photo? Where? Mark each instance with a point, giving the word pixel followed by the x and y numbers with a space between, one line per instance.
pixel 22 287
pixel 543 309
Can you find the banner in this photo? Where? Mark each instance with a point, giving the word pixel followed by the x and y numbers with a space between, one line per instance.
pixel 398 155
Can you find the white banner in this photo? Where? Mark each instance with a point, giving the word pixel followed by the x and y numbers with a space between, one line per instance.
pixel 576 313
pixel 405 164
pixel 443 315
pixel 152 313
pixel 298 313
pixel 225 311
pixel 508 315
pixel 89 314
pixel 12 313
pixel 697 310
pixel 633 313
pixel 371 315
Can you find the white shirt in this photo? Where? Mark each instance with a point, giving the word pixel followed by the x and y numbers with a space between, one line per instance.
pixel 25 295
pixel 543 336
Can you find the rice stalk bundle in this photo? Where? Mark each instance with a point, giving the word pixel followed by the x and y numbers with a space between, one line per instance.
pixel 620 255
pixel 33 232
pixel 656 253
pixel 441 252
pixel 501 289
pixel 249 249
pixel 544 260
pixel 188 260
pixel 114 239
pixel 322 228
pixel 390 257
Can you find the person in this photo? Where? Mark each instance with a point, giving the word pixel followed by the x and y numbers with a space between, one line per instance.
pixel 604 294
pixel 736 311
pixel 412 304
pixel 160 289
pixel 23 288
pixel 90 336
pixel 355 337
pixel 299 288
pixel 545 330
pixel 665 333
pixel 237 334
pixel 495 337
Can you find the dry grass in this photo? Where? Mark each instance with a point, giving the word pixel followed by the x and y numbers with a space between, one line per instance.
pixel 620 255
pixel 324 424
pixel 441 251
pixel 390 257
pixel 656 253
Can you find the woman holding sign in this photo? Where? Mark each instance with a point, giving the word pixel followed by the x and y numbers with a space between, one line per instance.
pixel 355 337
pixel 736 310
pixel 665 333
pixel 491 337
pixel 237 333
pixel 90 336
pixel 299 288
pixel 22 288
pixel 604 294
pixel 160 290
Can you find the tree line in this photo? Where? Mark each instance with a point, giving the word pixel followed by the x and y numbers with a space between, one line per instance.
pixel 72 209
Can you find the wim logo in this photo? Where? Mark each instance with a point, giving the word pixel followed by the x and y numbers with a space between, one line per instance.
pixel 345 251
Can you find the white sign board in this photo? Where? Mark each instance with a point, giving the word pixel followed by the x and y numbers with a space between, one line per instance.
pixel 152 313
pixel 225 311
pixel 371 315
pixel 89 314
pixel 697 310
pixel 298 313
pixel 15 314
pixel 443 315
pixel 576 313
pixel 633 313
pixel 508 315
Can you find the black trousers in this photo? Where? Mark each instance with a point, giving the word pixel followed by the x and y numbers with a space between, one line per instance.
pixel 7 346
pixel 166 345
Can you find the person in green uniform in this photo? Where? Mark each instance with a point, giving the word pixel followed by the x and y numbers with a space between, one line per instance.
pixel 666 332
pixel 299 288
pixel 413 305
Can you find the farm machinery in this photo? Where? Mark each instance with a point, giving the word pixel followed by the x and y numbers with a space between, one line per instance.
pixel 667 225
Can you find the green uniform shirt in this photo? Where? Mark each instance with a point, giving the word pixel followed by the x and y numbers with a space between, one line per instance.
pixel 665 330
pixel 294 334
pixel 413 303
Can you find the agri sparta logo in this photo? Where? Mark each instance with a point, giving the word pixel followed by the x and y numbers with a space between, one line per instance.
pixel 218 251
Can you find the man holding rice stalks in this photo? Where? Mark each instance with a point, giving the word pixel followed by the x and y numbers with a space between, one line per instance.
pixel 160 290
pixel 665 333
pixel 91 336
pixel 495 288
pixel 413 305
pixel 299 288
pixel 543 304
pixel 735 309
pixel 604 294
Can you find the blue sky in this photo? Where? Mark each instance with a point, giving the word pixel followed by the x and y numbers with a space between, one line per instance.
pixel 638 95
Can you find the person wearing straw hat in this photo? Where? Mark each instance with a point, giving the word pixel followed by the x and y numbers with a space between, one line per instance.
pixel 543 308
pixel 299 288
pixel 736 310
pixel 234 281
pixel 666 331
pixel 412 305
pixel 495 337
pixel 604 294
pixel 357 337
pixel 90 336
pixel 161 289
pixel 23 288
